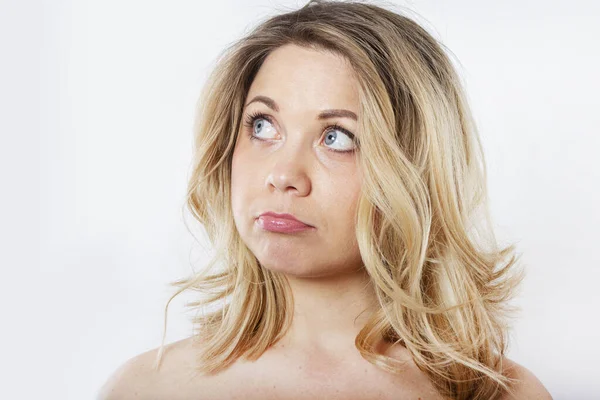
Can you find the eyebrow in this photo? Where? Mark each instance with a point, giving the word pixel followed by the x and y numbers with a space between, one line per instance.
pixel 325 114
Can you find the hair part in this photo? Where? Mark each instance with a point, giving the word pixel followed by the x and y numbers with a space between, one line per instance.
pixel 423 224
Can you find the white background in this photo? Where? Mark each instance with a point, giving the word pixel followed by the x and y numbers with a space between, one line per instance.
pixel 96 108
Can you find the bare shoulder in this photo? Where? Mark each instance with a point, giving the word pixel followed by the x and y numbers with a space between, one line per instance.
pixel 528 387
pixel 413 380
pixel 137 377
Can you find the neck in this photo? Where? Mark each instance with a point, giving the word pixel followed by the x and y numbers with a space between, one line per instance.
pixel 329 312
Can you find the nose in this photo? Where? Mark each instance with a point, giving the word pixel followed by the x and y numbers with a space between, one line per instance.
pixel 289 172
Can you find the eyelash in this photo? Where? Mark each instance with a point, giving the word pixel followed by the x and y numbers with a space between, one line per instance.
pixel 250 118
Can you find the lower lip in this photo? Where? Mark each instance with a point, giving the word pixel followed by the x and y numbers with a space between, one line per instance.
pixel 283 225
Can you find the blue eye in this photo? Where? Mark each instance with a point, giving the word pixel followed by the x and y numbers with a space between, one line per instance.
pixel 260 123
pixel 346 138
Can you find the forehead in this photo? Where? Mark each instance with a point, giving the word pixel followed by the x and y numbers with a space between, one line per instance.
pixel 300 77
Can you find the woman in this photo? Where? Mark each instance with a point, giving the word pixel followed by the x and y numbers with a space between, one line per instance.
pixel 339 175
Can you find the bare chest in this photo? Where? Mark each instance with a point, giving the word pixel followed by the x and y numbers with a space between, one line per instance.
pixel 270 379
pixel 327 388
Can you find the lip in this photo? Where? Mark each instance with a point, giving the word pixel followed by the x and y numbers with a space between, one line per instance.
pixel 285 223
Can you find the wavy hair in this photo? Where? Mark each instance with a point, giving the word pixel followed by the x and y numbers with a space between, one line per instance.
pixel 423 225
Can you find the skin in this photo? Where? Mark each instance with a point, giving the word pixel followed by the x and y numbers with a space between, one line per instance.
pixel 295 171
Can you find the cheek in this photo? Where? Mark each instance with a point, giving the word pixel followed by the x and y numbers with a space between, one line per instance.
pixel 353 195
pixel 236 181
pixel 342 200
pixel 242 180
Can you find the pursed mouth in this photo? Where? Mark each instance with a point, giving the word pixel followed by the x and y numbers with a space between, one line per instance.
pixel 284 225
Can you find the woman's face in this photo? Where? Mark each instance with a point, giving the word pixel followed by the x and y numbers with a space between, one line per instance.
pixel 292 165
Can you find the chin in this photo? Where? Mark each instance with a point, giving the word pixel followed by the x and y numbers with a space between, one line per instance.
pixel 290 269
pixel 297 270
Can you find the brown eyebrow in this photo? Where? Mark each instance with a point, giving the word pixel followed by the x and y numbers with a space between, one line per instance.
pixel 325 114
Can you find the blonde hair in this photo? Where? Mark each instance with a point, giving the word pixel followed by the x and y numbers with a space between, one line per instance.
pixel 422 225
